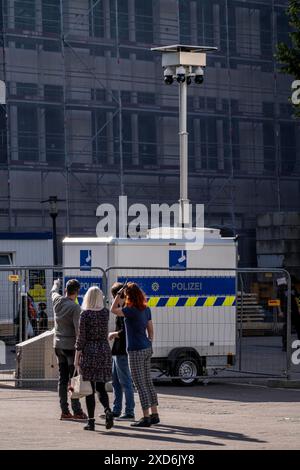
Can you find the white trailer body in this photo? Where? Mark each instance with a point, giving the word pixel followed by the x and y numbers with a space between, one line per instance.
pixel 192 293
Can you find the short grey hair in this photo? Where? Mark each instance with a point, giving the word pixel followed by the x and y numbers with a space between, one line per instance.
pixel 93 299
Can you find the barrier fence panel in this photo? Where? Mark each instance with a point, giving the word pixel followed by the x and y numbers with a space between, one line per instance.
pixel 213 322
pixel 10 301
pixel 27 322
pixel 263 322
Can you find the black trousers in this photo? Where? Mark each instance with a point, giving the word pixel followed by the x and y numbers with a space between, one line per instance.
pixel 98 387
pixel 65 359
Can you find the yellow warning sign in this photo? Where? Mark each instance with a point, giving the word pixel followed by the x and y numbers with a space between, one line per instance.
pixel 13 278
pixel 274 303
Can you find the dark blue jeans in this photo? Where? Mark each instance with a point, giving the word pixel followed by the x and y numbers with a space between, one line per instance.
pixel 65 359
pixel 122 383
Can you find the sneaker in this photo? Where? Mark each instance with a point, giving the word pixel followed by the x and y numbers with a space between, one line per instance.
pixel 80 416
pixel 127 417
pixel 154 419
pixel 142 423
pixel 66 416
pixel 109 419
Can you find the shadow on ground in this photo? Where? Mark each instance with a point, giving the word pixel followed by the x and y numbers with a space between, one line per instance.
pixel 181 435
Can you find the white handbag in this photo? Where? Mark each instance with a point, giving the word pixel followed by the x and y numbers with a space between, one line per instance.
pixel 79 388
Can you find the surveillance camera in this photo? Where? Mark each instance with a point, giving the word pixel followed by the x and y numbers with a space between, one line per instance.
pixel 168 76
pixel 180 72
pixel 199 75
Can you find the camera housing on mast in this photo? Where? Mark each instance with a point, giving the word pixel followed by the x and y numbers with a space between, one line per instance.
pixel 199 75
pixel 168 75
pixel 182 62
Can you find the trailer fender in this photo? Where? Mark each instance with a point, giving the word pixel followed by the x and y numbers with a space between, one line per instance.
pixel 178 353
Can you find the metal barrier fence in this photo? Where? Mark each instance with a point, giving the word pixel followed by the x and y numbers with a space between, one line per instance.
pixel 215 322
pixel 208 322
pixel 26 321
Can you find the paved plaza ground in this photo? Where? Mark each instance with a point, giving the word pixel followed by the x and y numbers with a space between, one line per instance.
pixel 216 416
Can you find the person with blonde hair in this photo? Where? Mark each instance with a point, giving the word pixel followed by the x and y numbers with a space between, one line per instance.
pixel 93 355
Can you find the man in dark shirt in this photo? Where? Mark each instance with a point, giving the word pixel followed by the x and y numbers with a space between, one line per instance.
pixel 121 377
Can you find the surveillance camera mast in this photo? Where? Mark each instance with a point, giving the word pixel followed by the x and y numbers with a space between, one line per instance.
pixel 182 62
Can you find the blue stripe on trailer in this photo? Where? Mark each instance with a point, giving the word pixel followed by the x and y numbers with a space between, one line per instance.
pixel 219 301
pixel 184 286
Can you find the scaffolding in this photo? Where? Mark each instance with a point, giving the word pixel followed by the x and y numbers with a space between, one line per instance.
pixel 108 77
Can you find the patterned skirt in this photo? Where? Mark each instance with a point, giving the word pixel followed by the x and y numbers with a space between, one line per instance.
pixel 96 362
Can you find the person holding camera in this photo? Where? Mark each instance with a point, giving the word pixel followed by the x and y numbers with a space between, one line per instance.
pixel 121 377
pixel 139 332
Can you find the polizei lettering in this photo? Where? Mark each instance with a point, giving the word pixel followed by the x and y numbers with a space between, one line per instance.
pixel 186 286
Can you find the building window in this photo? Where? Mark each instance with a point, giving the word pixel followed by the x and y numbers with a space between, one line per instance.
pixel 53 92
pixel 205 23
pixel 127 139
pixel 266 32
pixel 144 22
pixel 98 94
pixel 99 121
pixel 146 98
pixel 283 28
pixel 54 128
pixel 269 146
pixel 209 146
pixel 27 90
pixel 51 16
pixel 28 141
pixel 268 109
pixel 97 18
pixel 25 43
pixel 25 15
pixel 126 96
pixel 6 259
pixel 288 147
pixel 185 22
pixel 122 19
pixel 3 136
pixel 147 139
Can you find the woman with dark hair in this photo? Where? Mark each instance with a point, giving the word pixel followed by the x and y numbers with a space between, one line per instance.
pixel 139 334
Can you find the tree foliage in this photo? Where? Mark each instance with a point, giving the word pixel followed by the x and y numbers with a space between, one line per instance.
pixel 289 55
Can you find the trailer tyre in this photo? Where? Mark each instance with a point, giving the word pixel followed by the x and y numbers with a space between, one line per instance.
pixel 187 369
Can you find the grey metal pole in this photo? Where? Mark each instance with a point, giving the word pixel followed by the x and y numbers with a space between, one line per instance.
pixel 183 146
pixel 288 329
pixel 120 104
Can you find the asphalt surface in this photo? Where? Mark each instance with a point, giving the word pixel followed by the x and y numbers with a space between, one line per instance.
pixel 216 416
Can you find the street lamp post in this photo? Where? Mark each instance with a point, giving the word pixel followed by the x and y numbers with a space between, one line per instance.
pixel 53 212
pixel 182 63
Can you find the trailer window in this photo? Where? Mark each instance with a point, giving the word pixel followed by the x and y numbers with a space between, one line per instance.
pixel 5 259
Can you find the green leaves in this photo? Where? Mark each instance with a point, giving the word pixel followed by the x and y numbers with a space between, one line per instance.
pixel 289 56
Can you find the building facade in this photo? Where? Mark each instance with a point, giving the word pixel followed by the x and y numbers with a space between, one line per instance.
pixel 88 116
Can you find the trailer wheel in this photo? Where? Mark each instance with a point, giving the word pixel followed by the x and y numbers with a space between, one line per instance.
pixel 187 369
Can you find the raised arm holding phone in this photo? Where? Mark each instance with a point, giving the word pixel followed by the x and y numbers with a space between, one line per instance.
pixel 139 331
